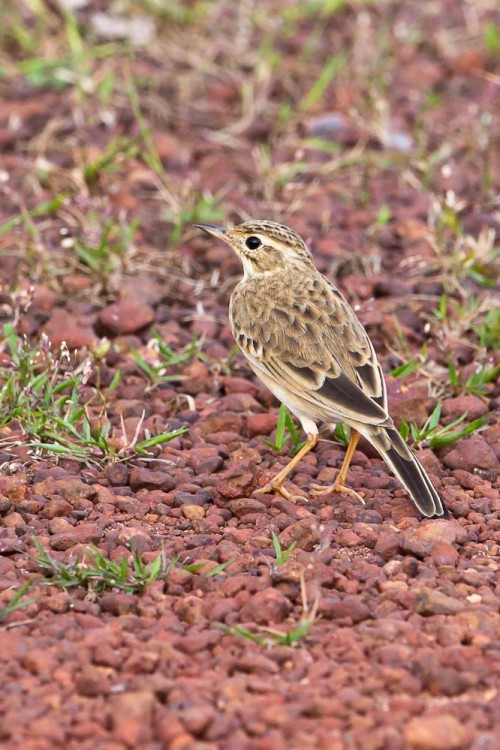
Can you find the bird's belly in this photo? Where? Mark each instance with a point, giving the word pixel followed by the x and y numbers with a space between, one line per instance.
pixel 305 412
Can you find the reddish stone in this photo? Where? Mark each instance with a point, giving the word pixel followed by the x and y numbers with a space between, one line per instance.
pixel 63 326
pixel 305 533
pixel 64 540
pixel 196 717
pixel 443 553
pixel 245 505
pixel 439 732
pixel 118 604
pixel 405 402
pixel 475 455
pixel 74 283
pixel 453 408
pixel 56 507
pixel 126 317
pixel 256 664
pixel 91 681
pixel 265 607
pixel 349 607
pixel 88 533
pixel 238 480
pixel 59 525
pixel 195 641
pixel 388 545
pixel 141 289
pixel 45 727
pixel 261 424
pixel 420 539
pixel 12 520
pixel 70 488
pixel 40 662
pixel 43 298
pixel 193 512
pixel 131 716
pixel 117 474
pixel 151 480
pixel 428 601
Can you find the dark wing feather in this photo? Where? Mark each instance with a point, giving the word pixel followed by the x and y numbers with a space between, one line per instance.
pixel 344 393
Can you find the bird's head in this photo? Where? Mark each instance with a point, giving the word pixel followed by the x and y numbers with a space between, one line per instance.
pixel 263 246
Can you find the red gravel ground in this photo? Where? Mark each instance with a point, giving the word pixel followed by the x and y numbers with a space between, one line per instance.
pixel 370 128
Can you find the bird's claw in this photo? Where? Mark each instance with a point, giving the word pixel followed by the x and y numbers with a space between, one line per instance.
pixel 316 490
pixel 273 488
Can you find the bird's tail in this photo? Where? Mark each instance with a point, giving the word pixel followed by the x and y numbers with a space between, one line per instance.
pixel 408 469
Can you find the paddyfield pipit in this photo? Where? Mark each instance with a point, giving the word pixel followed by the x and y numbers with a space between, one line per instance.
pixel 303 340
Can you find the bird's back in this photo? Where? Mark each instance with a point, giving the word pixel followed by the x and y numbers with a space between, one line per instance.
pixel 302 318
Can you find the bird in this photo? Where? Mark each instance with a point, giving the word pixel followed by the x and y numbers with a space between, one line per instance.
pixel 303 340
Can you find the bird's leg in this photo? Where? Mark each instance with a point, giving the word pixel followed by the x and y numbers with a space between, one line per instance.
pixel 276 484
pixel 339 484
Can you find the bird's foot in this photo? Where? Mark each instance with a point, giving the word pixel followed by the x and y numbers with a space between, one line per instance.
pixel 273 487
pixel 316 490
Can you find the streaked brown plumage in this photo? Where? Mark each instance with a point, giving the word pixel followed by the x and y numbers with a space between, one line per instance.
pixel 303 340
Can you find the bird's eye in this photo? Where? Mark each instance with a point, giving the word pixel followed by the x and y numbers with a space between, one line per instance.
pixel 253 242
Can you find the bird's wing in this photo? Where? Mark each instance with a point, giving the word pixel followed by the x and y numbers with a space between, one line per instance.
pixel 310 343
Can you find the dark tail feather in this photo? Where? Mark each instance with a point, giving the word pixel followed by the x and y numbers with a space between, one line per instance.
pixel 409 471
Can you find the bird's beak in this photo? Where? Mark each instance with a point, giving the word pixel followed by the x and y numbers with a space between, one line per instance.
pixel 219 232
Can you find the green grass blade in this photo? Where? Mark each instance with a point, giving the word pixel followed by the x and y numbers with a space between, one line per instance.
pixel 452 437
pixel 329 72
pixel 280 427
pixel 434 418
pixel 218 569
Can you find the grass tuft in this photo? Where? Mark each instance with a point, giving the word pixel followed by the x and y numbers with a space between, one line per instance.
pixel 42 396
pixel 98 573
pixel 164 357
pixel 281 555
pixel 17 601
pixel 432 435
pixel 286 431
